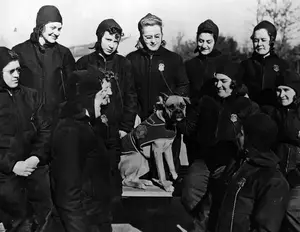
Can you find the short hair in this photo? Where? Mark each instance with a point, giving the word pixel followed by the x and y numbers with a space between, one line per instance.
pixel 149 20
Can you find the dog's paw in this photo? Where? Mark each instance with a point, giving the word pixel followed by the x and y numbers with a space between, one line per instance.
pixel 147 182
pixel 168 188
pixel 135 184
pixel 166 185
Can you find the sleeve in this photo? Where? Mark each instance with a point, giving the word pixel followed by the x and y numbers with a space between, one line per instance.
pixel 129 101
pixel 68 64
pixel 271 205
pixel 7 156
pixel 181 79
pixel 41 143
pixel 81 64
pixel 201 119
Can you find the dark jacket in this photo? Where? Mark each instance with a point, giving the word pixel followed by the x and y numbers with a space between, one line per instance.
pixel 256 196
pixel 122 109
pixel 260 75
pixel 24 129
pixel 209 125
pixel 80 169
pixel 45 69
pixel 161 71
pixel 288 143
pixel 200 69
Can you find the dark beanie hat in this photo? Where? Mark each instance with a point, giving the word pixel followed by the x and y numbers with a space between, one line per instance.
pixel 82 83
pixel 210 27
pixel 261 131
pixel 229 69
pixel 271 29
pixel 105 25
pixel 47 14
pixel 6 56
pixel 290 79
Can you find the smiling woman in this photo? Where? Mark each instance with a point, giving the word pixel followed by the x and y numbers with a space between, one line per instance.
pixel 261 71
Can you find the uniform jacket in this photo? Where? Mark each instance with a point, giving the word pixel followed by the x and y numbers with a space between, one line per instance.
pixel 24 128
pixel 45 69
pixel 161 71
pixel 122 109
pixel 256 196
pixel 260 75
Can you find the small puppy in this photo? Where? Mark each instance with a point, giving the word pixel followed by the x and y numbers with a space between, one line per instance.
pixel 157 134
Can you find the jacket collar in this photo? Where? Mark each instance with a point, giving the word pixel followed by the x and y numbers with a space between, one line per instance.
pixel 213 54
pixel 147 52
pixel 261 58
pixel 264 159
pixel 34 38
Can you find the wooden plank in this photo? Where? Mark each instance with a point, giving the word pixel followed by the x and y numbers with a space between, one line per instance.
pixel 151 191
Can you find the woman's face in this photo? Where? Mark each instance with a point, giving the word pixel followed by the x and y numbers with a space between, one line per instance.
pixel 152 36
pixel 11 74
pixel 206 43
pixel 223 84
pixel 51 31
pixel 109 43
pixel 261 42
pixel 286 95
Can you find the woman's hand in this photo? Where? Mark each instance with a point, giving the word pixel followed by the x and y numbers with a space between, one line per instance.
pixel 23 168
pixel 32 161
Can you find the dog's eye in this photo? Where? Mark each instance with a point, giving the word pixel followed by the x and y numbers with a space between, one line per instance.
pixel 181 105
pixel 172 107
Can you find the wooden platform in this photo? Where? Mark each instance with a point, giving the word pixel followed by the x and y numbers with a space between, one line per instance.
pixel 151 191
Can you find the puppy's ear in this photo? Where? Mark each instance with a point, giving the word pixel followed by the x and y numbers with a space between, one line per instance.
pixel 187 100
pixel 164 96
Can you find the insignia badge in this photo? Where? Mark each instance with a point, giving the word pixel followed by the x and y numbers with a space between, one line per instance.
pixel 161 67
pixel 233 118
pixel 276 68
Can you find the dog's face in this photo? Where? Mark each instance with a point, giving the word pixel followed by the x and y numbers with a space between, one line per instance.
pixel 175 106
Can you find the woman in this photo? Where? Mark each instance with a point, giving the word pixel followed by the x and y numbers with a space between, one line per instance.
pixel 201 69
pixel 24 135
pixel 215 123
pixel 46 66
pixel 260 72
pixel 256 194
pixel 287 116
pixel 121 111
pixel 156 70
pixel 80 171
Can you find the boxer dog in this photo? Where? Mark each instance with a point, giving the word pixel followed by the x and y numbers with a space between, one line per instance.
pixel 155 134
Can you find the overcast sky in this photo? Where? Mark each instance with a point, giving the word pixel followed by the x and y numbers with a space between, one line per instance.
pixel 81 18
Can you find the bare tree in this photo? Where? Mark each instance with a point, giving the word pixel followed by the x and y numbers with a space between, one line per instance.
pixel 285 15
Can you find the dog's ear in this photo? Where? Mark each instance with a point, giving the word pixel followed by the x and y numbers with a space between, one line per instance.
pixel 187 100
pixel 164 97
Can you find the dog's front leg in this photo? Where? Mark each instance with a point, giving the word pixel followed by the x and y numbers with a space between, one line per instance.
pixel 158 155
pixel 169 158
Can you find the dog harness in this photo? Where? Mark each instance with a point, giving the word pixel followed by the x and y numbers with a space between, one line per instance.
pixel 144 134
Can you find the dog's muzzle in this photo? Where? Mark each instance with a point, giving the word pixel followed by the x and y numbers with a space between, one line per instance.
pixel 178 115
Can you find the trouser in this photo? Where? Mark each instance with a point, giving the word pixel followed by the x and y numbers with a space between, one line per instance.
pixel 39 195
pixel 24 198
pixel 83 198
pixel 292 218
